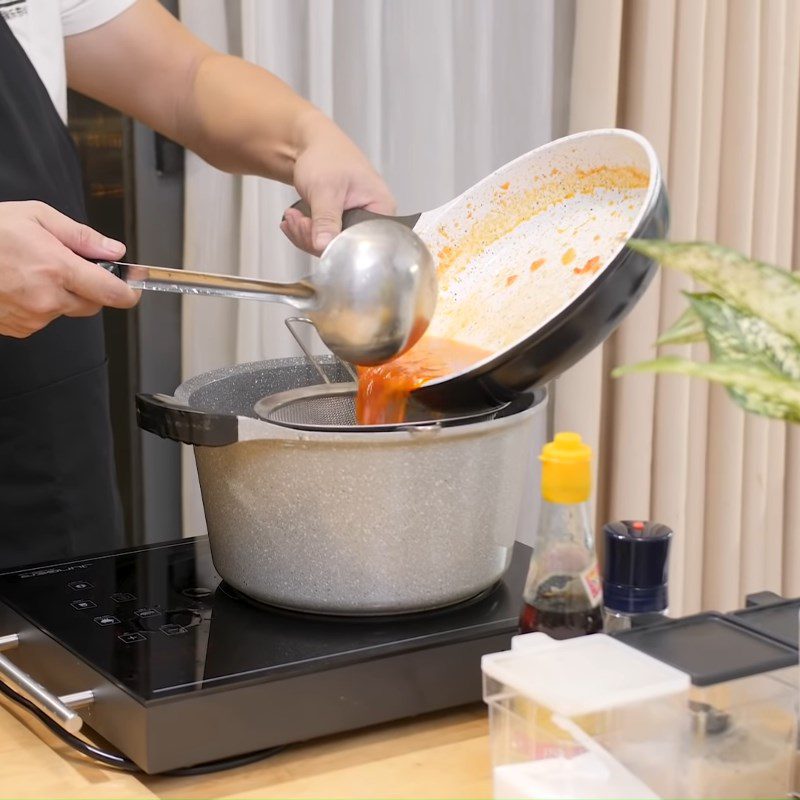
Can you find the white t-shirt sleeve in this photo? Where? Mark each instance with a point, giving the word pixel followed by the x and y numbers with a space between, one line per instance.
pixel 78 16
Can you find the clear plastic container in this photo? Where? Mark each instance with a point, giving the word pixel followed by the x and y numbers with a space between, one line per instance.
pixel 592 717
pixel 742 737
pixel 743 704
pixel 560 711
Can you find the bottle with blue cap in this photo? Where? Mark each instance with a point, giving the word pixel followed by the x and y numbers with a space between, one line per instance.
pixel 634 574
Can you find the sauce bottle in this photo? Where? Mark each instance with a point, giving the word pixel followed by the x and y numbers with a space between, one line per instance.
pixel 563 594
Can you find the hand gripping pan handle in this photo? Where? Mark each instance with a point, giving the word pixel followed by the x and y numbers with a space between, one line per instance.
pixel 355 215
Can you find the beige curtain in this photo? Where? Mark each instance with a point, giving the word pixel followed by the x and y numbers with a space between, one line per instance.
pixel 713 84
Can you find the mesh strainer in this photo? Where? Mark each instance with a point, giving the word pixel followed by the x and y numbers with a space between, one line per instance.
pixel 331 407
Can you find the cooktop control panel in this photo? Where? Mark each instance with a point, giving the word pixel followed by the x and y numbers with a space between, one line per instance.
pixel 158 621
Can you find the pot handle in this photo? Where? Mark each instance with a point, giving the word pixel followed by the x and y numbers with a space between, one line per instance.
pixel 169 419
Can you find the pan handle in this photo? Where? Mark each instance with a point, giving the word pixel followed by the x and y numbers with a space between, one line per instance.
pixel 355 215
pixel 169 419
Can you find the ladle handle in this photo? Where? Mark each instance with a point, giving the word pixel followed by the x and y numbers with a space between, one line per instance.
pixel 352 216
pixel 182 281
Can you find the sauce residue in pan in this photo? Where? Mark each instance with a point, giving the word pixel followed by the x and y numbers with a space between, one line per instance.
pixel 486 303
pixel 512 209
pixel 383 390
pixel 592 265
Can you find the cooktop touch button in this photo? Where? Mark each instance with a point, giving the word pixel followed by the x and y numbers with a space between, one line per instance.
pixel 173 630
pixel 196 592
pixel 123 597
pixel 106 619
pixel 82 605
pixel 133 636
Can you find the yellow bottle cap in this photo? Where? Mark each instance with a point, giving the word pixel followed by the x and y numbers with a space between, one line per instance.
pixel 566 469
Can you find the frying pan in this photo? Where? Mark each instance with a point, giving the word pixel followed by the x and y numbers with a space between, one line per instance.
pixel 532 263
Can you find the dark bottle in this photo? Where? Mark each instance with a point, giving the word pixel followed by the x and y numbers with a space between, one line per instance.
pixel 635 574
pixel 563 595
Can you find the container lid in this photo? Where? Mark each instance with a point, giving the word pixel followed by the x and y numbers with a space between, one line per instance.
pixel 711 648
pixel 779 621
pixel 582 675
pixel 635 566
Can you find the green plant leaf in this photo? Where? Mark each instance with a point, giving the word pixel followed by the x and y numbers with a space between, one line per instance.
pixel 765 291
pixel 687 329
pixel 736 337
pixel 756 389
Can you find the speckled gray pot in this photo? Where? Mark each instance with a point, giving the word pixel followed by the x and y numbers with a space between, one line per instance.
pixel 357 523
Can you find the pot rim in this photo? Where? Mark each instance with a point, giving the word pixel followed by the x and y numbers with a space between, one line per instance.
pixel 254 429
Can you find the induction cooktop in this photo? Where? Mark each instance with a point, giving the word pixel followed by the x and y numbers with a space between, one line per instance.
pixel 183 670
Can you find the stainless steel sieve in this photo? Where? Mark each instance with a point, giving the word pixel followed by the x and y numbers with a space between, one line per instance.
pixel 332 407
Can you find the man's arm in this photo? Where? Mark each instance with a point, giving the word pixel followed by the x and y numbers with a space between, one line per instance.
pixel 235 115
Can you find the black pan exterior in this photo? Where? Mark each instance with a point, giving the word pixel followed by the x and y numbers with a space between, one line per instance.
pixel 585 323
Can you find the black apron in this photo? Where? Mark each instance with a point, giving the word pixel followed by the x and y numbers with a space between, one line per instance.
pixel 58 495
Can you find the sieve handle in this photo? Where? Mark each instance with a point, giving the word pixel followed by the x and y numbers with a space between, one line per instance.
pixel 290 322
pixel 170 419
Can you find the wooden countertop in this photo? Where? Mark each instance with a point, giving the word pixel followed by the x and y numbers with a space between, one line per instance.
pixel 437 756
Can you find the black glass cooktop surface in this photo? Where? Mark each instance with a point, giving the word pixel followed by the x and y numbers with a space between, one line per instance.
pixel 158 621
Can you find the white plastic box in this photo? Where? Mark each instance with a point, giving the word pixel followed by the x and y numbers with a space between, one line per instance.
pixel 592 717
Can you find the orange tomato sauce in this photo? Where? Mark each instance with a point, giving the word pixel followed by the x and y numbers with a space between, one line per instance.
pixel 383 390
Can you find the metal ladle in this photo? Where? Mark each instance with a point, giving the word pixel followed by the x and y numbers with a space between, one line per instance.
pixel 370 298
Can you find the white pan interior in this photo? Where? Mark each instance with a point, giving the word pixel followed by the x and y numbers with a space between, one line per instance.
pixel 518 247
